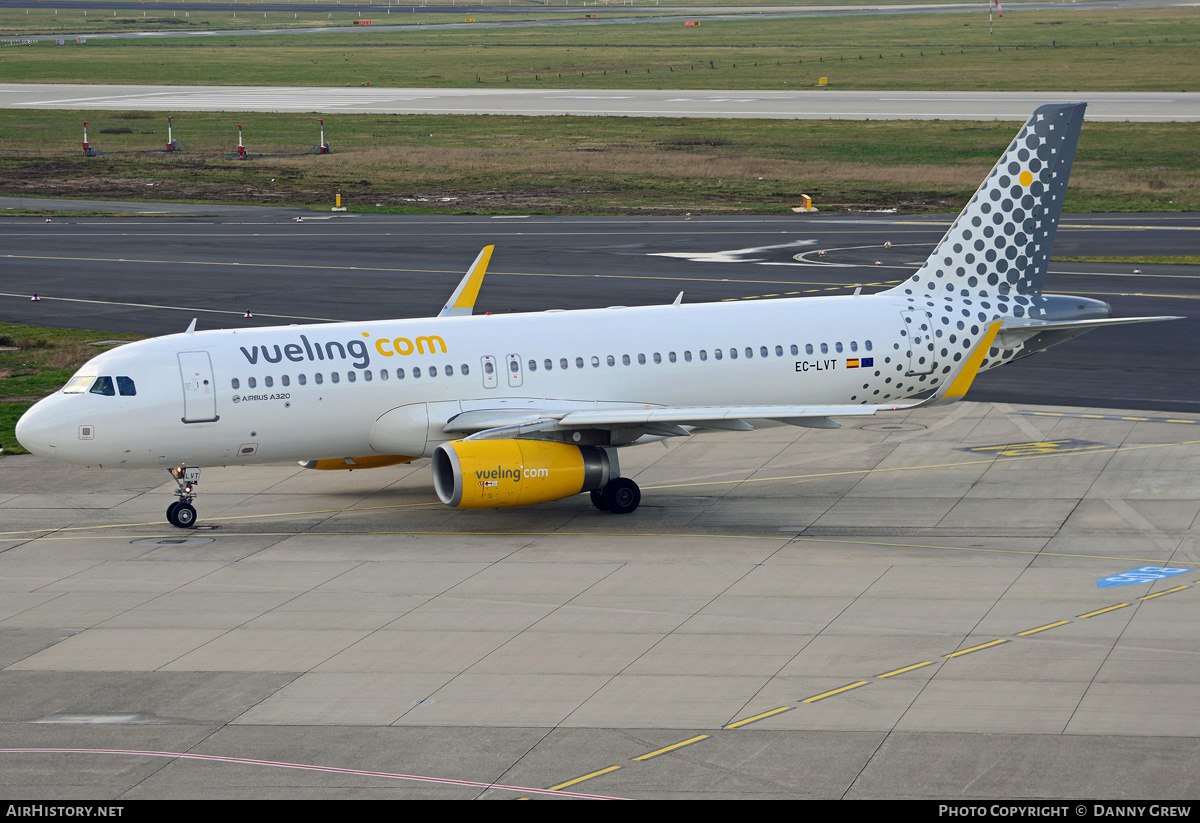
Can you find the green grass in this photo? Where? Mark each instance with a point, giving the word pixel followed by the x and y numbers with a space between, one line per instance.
pixel 45 358
pixel 1151 50
pixel 66 19
pixel 493 164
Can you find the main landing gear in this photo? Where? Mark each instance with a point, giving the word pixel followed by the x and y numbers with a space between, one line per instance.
pixel 620 496
pixel 182 513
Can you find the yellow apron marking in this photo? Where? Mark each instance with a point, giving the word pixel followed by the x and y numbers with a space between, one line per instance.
pixel 758 717
pixel 1043 628
pixel 824 695
pixel 978 648
pixel 1102 611
pixel 585 777
pixel 905 669
pixel 673 747
pixel 1168 591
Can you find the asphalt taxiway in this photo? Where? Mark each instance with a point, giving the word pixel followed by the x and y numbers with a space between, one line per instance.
pixel 154 273
pixel 909 606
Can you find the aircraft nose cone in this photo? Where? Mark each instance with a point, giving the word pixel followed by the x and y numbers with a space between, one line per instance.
pixel 37 430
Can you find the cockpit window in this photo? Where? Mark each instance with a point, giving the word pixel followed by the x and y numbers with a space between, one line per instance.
pixel 126 387
pixel 104 386
pixel 79 384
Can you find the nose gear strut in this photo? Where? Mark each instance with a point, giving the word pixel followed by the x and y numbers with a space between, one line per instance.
pixel 182 513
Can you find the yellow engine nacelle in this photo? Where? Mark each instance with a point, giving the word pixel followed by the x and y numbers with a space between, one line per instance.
pixel 492 474
pixel 374 461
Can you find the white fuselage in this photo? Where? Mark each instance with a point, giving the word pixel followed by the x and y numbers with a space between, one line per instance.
pixel 317 391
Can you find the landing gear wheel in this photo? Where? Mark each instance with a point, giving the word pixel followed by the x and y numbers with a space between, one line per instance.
pixel 621 495
pixel 598 500
pixel 184 515
pixel 171 511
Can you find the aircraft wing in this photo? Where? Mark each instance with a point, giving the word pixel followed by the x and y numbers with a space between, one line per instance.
pixel 669 421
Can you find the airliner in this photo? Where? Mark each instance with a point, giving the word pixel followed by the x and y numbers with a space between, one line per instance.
pixel 528 408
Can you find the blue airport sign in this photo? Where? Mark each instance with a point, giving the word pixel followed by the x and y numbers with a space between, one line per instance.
pixel 1146 574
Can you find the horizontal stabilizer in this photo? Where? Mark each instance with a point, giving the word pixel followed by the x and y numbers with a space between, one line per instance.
pixel 1029 324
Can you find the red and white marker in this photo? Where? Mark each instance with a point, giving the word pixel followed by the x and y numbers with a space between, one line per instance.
pixel 322 147
pixel 241 156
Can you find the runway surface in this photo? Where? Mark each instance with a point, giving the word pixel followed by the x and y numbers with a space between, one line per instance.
pixel 907 607
pixel 1153 107
pixel 152 274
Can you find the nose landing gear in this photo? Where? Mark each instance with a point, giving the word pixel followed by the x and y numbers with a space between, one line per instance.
pixel 182 513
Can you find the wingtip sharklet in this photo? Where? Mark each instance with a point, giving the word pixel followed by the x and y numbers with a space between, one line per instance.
pixel 462 301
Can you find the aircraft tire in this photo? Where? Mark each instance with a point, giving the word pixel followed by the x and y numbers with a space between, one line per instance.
pixel 184 516
pixel 598 500
pixel 622 495
pixel 171 512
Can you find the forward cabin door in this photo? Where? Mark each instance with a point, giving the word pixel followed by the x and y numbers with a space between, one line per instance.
pixel 199 387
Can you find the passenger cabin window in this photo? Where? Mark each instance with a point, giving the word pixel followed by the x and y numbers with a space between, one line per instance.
pixel 104 386
pixel 251 382
pixel 235 383
pixel 417 371
pixel 268 381
pixel 383 374
pixel 318 378
pixel 334 377
pixel 351 376
pixel 824 348
pixel 302 379
pixel 286 380
pixel 808 349
pixel 125 386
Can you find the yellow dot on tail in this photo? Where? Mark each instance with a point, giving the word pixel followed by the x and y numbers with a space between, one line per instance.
pixel 1026 178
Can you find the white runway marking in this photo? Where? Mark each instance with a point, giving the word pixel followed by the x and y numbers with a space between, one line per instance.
pixel 329 769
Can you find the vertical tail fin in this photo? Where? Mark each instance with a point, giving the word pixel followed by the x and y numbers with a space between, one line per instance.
pixel 1000 244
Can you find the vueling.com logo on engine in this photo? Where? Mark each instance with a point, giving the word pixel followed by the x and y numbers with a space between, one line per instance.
pixel 501 473
pixel 334 350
